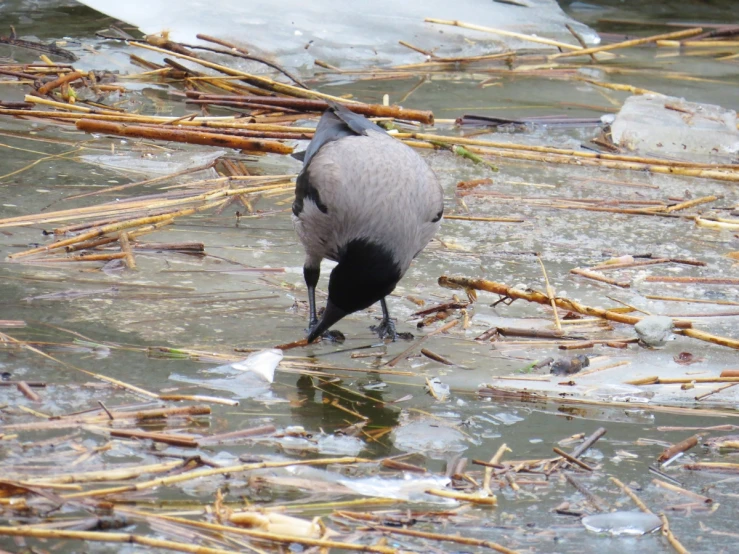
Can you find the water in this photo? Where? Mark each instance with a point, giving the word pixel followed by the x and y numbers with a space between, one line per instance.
pixel 248 293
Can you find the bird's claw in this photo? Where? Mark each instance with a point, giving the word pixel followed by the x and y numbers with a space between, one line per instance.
pixel 386 330
pixel 332 335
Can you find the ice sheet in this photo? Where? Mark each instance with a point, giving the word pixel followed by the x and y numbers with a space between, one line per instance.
pixel 348 33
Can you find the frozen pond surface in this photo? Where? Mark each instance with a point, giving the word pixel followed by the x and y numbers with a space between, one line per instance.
pixel 247 293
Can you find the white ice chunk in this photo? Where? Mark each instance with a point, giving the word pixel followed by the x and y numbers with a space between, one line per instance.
pixel 656 124
pixel 349 33
pixel 411 489
pixel 156 165
pixel 622 523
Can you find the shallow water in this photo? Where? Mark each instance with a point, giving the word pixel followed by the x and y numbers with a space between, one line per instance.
pixel 248 293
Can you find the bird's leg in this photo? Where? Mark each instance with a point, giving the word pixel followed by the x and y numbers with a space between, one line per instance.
pixel 386 328
pixel 311 274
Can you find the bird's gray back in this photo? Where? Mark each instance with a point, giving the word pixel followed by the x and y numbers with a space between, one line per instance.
pixel 370 187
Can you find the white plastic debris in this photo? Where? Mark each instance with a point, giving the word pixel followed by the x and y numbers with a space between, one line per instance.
pixel 262 363
pixel 672 127
pixel 654 330
pixel 623 523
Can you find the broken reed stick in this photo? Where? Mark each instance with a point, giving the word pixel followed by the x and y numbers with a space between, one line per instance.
pixel 598 277
pixel 628 43
pixel 540 298
pixel 583 447
pixel 677 448
pixel 440 537
pixel 700 397
pixel 570 458
pixel 182 135
pixel 126 249
pixel 529 38
pixel 596 501
pixel 369 110
pixel 66 78
pixel 680 490
pixel 25 389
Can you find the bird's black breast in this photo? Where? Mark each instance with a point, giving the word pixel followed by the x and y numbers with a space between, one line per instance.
pixel 367 272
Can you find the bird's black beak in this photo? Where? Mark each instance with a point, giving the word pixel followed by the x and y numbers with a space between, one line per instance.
pixel 331 315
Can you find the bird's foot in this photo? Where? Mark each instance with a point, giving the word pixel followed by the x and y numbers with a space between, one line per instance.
pixel 386 330
pixel 332 335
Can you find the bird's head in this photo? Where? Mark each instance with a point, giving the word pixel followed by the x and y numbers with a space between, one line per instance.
pixel 366 273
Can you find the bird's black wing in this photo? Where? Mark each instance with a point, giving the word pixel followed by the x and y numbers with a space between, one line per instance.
pixel 336 123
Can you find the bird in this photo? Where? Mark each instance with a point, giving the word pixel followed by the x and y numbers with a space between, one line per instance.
pixel 367 201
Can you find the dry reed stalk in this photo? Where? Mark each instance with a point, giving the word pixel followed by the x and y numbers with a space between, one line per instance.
pixel 166 481
pixel 700 397
pixel 678 447
pixel 198 398
pixel 680 490
pixel 181 135
pixel 116 382
pixel 369 110
pixel 148 222
pixel 81 258
pixel 631 494
pixel 696 280
pixel 665 168
pixel 126 250
pixel 172 440
pixel 113 209
pixel 598 277
pixel 540 298
pixel 628 43
pixel 627 265
pixel 717 224
pixel 563 151
pixel 64 79
pixel 321 543
pixel 472 498
pixel 446 538
pixel 122 474
pixel 488 219
pixel 262 82
pixel 142 415
pixel 100 536
pixel 692 203
pixel 529 38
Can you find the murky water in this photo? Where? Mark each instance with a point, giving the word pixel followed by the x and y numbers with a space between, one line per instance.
pixel 248 293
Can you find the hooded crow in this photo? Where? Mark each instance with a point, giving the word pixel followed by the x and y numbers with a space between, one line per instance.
pixel 368 202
